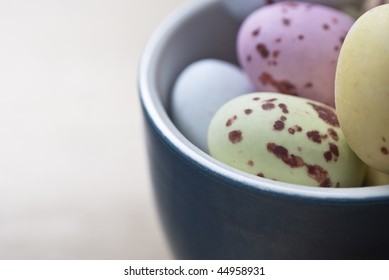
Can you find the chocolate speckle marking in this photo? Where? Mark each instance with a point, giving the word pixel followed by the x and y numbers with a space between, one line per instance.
pixel 256 98
pixel 308 85
pixel 326 114
pixel 283 118
pixel 249 58
pixel 278 40
pixel 300 37
pixel 286 21
pixel 250 163
pixel 268 106
pixel 283 154
pixel 335 20
pixel 315 172
pixel 334 149
pixel 276 53
pixel 332 154
pixel 281 86
pixel 326 183
pixel 262 50
pixel 284 108
pixel 292 130
pixel 341 39
pixel 231 120
pixel 314 136
pixel 260 174
pixel 248 111
pixel 320 175
pixel 384 150
pixel 328 156
pixel 336 48
pixel 235 136
pixel 333 134
pixel 325 26
pixel 279 125
pixel 255 32
pixel 383 139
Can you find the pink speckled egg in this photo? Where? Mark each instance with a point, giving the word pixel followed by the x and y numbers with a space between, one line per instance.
pixel 293 48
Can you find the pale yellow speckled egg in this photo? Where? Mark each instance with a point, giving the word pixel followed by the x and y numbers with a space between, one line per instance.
pixel 362 88
pixel 284 138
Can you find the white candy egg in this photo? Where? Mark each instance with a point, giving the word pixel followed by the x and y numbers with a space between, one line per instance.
pixel 199 91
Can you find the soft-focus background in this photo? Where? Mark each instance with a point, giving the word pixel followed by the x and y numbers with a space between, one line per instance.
pixel 74 182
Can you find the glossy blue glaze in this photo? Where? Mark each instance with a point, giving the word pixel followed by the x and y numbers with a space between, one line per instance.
pixel 209 217
pixel 211 211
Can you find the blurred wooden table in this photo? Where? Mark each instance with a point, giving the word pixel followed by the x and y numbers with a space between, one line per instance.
pixel 74 182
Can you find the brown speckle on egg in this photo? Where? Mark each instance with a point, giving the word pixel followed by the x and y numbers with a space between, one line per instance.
pixel 284 108
pixel 260 174
pixel 334 150
pixel 279 125
pixel 316 172
pixel 325 26
pixel 235 136
pixel 283 154
pixel 282 86
pixel 286 21
pixel 384 150
pixel 262 50
pixel 333 134
pixel 292 130
pixel 276 53
pixel 314 136
pixel 268 106
pixel 255 32
pixel 248 111
pixel 250 163
pixel 326 114
pixel 300 37
pixel 231 120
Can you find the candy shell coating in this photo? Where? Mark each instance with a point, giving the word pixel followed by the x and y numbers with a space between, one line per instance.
pixel 284 138
pixel 362 88
pixel 199 91
pixel 375 177
pixel 293 47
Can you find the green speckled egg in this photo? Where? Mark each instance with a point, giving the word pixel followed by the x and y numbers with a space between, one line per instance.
pixel 284 138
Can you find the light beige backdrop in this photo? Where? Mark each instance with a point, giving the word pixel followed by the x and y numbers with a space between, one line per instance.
pixel 73 174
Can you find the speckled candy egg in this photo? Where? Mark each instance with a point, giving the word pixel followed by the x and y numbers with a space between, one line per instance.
pixel 240 9
pixel 199 91
pixel 285 138
pixel 362 88
pixel 293 47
